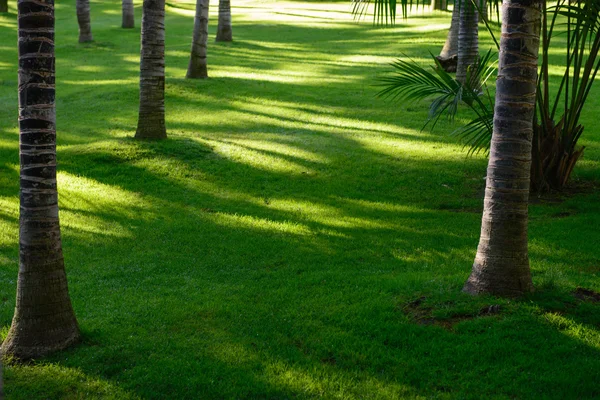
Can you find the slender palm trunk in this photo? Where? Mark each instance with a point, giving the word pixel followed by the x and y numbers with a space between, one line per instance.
pixel 449 53
pixel 468 41
pixel 128 14
pixel 83 18
pixel 44 320
pixel 3 6
pixel 151 122
pixel 501 266
pixel 224 32
pixel 483 6
pixel 438 5
pixel 197 66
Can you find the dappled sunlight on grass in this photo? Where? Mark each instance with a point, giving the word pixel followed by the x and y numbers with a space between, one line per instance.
pixel 101 82
pixel 273 245
pixel 85 205
pixel 50 380
pixel 576 331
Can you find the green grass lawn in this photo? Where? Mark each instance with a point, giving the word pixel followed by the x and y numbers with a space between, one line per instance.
pixel 295 237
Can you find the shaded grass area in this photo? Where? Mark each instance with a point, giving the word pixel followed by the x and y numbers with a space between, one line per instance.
pixel 276 245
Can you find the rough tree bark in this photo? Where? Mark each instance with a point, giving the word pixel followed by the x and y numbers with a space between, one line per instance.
pixel 151 122
pixel 3 6
pixel 197 66
pixel 83 18
pixel 468 40
pixel 224 32
pixel 128 14
pixel 449 54
pixel 501 266
pixel 44 320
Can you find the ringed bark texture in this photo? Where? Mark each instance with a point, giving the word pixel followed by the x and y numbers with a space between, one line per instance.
pixel 83 18
pixel 44 320
pixel 3 6
pixel 468 40
pixel 449 53
pixel 197 67
pixel 151 122
pixel 502 263
pixel 224 32
pixel 128 14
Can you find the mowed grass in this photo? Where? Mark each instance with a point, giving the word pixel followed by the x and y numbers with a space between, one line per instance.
pixel 295 237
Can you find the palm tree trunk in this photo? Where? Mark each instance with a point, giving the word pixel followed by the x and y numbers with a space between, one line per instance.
pixel 448 55
pixel 197 66
pixel 468 41
pixel 501 266
pixel 224 32
pixel 128 14
pixel 438 5
pixel 44 320
pixel 151 122
pixel 83 18
pixel 3 6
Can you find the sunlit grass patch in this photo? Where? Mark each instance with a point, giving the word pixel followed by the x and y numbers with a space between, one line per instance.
pixel 273 245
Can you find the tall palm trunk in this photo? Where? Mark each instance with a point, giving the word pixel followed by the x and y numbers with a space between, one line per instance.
pixel 44 320
pixel 197 66
pixel 438 5
pixel 224 32
pixel 83 18
pixel 468 41
pixel 501 266
pixel 151 122
pixel 128 14
pixel 3 6
pixel 449 53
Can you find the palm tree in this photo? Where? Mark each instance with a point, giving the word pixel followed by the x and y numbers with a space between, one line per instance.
pixel 468 41
pixel 83 18
pixel 501 265
pixel 449 55
pixel 3 6
pixel 151 121
pixel 224 33
pixel 128 14
pixel 462 42
pixel 44 320
pixel 197 66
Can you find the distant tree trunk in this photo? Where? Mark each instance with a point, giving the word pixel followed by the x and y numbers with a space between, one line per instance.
pixel 449 54
pixel 224 32
pixel 128 14
pixel 483 6
pixel 83 18
pixel 468 41
pixel 501 266
pixel 3 6
pixel 44 320
pixel 197 66
pixel 439 5
pixel 151 122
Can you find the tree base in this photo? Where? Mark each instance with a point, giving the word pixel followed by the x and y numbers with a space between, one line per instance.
pixel 85 38
pixel 448 64
pixel 508 284
pixel 16 345
pixel 198 73
pixel 150 134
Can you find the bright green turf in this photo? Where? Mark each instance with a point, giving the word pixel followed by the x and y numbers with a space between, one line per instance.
pixel 267 250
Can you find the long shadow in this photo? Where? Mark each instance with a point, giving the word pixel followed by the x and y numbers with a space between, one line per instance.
pixel 230 277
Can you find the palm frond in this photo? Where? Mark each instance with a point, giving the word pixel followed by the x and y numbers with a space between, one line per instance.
pixel 477 134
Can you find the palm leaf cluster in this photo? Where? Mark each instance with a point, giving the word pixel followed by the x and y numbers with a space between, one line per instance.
pixel 411 81
pixel 556 128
